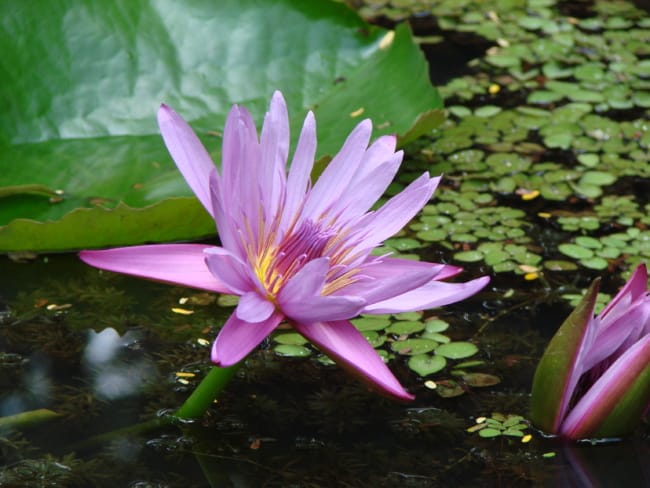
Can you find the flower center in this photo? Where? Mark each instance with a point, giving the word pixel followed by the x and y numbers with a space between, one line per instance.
pixel 276 264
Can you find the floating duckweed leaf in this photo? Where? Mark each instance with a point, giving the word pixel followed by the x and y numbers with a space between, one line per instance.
pixel 457 350
pixel 433 235
pixel 290 338
pixel 594 263
pixel 489 432
pixel 405 327
pixel 436 336
pixel 642 99
pixel 449 389
pixel 589 159
pixel 374 338
pixel 425 364
pixel 469 256
pixel 459 111
pixel 436 325
pixel 227 300
pixel 412 347
pixel 291 350
pixel 407 316
pixel 575 251
pixel 558 265
pixel 403 243
pixel 513 432
pixel 597 178
pixel 480 380
pixel 487 111
pixel 590 242
pixel 370 323
pixel 544 97
pixel 469 364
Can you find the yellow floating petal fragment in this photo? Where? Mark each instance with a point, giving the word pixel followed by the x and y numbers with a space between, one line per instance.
pixel 183 300
pixel 531 276
pixel 527 268
pixel 544 215
pixel 357 112
pixel 182 311
pixel 493 16
pixel 430 384
pixel 530 195
pixel 503 42
pixel 184 374
pixel 203 342
pixel 54 306
pixel 493 89
pixel 480 420
pixel 476 427
pixel 183 382
pixel 526 439
pixel 387 40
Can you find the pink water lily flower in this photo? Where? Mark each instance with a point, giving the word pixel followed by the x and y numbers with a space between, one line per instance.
pixel 291 251
pixel 594 377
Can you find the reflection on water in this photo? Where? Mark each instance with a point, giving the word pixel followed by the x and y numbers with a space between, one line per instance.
pixel 113 372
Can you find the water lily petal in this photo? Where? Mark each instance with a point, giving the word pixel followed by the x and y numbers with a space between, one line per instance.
pixel 390 277
pixel 430 295
pixel 237 338
pixel 336 177
pixel 274 149
pixel 635 287
pixel 188 153
pixel 298 180
pixel 397 212
pixel 615 402
pixel 319 307
pixel 344 343
pixel 308 281
pixel 254 308
pixel 179 264
pixel 229 269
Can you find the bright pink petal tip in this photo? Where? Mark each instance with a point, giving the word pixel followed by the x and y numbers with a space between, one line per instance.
pixel 341 341
pixel 237 338
pixel 178 264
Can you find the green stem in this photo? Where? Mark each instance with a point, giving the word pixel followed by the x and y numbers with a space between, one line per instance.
pixel 204 394
pixel 27 419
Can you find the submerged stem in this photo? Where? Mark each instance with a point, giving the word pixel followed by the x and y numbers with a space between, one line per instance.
pixel 204 394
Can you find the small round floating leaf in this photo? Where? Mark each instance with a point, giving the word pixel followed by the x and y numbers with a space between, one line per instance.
pixel 403 243
pixel 489 432
pixel 559 265
pixel 449 389
pixel 370 323
pixel 433 235
pixel 291 350
pixel 436 325
pixel 589 159
pixel 407 315
pixel 412 347
pixel 405 327
pixel 594 263
pixel 290 338
pixel 480 380
pixel 575 251
pixel 457 350
pixel 436 336
pixel 374 338
pixel 590 242
pixel 425 364
pixel 597 178
pixel 487 111
pixel 513 433
pixel 470 364
pixel 469 256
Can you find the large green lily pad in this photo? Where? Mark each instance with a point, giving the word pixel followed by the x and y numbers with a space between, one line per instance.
pixel 82 82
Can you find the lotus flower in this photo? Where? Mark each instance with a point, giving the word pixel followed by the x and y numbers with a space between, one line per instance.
pixel 294 252
pixel 594 378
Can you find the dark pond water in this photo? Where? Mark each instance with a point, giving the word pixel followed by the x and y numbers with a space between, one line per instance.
pixel 104 352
